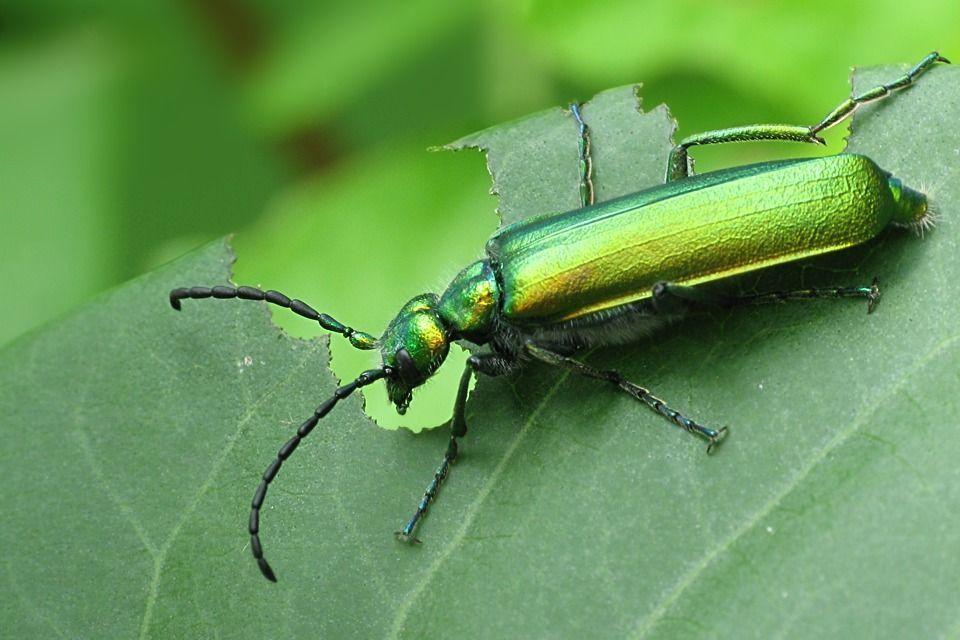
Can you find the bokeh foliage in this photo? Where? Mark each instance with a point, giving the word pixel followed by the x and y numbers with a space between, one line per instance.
pixel 132 131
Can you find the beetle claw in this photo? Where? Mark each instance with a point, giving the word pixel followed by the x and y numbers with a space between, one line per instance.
pixel 409 538
pixel 873 297
pixel 716 440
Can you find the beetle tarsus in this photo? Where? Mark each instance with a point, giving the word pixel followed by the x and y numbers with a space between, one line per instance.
pixel 717 439
pixel 873 297
pixel 407 538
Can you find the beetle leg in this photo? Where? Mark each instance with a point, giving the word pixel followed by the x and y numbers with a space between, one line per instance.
pixel 667 296
pixel 846 108
pixel 713 436
pixel 671 298
pixel 680 165
pixel 492 364
pixel 587 194
pixel 489 364
pixel 871 294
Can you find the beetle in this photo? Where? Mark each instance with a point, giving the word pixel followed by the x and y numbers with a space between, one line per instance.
pixel 612 272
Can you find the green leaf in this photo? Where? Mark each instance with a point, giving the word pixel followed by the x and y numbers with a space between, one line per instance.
pixel 533 161
pixel 134 437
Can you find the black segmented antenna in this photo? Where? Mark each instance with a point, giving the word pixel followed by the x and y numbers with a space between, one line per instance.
pixel 287 449
pixel 358 339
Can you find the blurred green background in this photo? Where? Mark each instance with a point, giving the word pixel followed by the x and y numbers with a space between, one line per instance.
pixel 132 131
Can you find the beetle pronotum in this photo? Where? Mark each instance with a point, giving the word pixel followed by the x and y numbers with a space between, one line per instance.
pixel 612 272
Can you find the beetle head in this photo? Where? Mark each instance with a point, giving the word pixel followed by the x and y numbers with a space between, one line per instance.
pixel 414 346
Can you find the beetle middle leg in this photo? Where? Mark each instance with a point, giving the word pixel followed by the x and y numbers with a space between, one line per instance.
pixel 679 164
pixel 489 364
pixel 713 436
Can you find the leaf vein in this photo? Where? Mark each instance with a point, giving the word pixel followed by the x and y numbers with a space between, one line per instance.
pixel 27 602
pixel 218 462
pixel 83 442
pixel 648 623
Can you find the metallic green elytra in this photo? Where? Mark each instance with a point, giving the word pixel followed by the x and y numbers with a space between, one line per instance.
pixel 611 272
pixel 691 231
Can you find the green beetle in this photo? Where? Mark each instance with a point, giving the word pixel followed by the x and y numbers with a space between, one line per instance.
pixel 612 272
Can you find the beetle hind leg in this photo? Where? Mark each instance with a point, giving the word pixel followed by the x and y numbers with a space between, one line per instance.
pixel 848 106
pixel 680 164
pixel 667 296
pixel 871 294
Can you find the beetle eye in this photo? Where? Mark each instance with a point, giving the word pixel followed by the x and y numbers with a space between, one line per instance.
pixel 407 368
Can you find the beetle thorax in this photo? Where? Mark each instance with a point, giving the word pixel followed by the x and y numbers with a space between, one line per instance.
pixel 470 303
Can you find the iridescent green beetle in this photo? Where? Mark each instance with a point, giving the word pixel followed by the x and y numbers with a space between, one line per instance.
pixel 612 272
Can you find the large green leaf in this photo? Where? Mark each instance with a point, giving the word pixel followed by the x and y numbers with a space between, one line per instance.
pixel 534 161
pixel 134 436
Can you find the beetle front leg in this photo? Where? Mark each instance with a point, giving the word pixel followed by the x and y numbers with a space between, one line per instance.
pixel 489 364
pixel 713 436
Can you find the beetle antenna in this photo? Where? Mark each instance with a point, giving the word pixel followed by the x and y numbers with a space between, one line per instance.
pixel 287 449
pixel 358 339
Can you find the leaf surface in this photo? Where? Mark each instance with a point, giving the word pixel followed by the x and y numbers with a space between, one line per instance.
pixel 533 161
pixel 134 437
